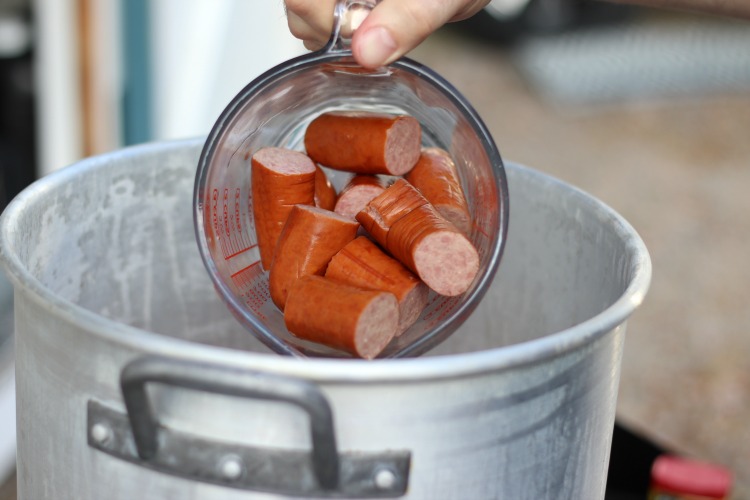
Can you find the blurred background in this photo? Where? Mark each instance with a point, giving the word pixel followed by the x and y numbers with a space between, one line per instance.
pixel 648 110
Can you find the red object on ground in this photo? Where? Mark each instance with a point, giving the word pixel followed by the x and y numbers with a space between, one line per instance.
pixel 682 476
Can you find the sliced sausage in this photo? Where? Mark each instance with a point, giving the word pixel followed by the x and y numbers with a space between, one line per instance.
pixel 281 178
pixel 386 209
pixel 403 222
pixel 361 322
pixel 363 264
pixel 357 194
pixel 325 194
pixel 310 238
pixel 364 143
pixel 435 176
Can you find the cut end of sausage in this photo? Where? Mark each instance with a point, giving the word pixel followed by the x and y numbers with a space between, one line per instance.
pixel 447 262
pixel 403 145
pixel 284 161
pixel 377 325
pixel 352 202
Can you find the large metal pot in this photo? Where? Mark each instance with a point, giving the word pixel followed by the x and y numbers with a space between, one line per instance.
pixel 133 381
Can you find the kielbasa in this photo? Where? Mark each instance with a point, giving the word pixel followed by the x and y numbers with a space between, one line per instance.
pixel 363 264
pixel 403 222
pixel 308 241
pixel 281 178
pixel 361 322
pixel 436 177
pixel 325 194
pixel 364 143
pixel 357 194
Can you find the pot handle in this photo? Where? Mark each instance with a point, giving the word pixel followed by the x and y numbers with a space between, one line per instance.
pixel 137 436
pixel 221 380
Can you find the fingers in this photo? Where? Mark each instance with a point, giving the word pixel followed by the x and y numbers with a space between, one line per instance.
pixel 310 20
pixel 394 27
pixel 469 9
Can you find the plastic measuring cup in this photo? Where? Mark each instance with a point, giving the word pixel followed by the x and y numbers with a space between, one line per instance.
pixel 274 110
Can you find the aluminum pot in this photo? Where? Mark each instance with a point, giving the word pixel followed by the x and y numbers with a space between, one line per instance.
pixel 133 380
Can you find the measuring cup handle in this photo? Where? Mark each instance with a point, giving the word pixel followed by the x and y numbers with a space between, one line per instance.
pixel 347 17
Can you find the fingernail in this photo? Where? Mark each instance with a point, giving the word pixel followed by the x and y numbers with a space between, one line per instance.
pixel 375 47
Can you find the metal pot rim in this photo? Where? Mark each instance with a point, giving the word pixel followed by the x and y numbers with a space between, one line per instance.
pixel 324 370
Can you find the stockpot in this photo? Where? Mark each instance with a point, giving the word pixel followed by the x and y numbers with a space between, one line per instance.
pixel 134 381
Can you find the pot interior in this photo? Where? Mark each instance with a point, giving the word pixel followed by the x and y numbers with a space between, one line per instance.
pixel 114 235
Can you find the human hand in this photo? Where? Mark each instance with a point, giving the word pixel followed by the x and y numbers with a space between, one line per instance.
pixel 393 28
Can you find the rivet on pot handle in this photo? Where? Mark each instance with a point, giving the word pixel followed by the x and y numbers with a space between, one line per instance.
pixel 138 436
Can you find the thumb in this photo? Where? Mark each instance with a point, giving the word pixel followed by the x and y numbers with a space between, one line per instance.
pixel 394 27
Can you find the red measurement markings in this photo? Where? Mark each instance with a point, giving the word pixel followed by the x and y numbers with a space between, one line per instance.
pixel 225 213
pixel 237 215
pixel 227 222
pixel 239 241
pixel 242 250
pixel 479 228
pixel 250 272
pixel 482 216
pixel 250 210
pixel 443 308
pixel 217 222
pixel 254 287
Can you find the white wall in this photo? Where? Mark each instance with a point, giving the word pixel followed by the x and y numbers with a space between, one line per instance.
pixel 58 97
pixel 205 52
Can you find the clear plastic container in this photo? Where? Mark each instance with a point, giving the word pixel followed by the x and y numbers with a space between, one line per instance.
pixel 274 110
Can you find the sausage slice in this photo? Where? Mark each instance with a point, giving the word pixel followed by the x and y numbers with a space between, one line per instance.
pixel 363 264
pixel 364 143
pixel 357 194
pixel 281 178
pixel 361 322
pixel 435 176
pixel 310 238
pixel 403 222
pixel 325 194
